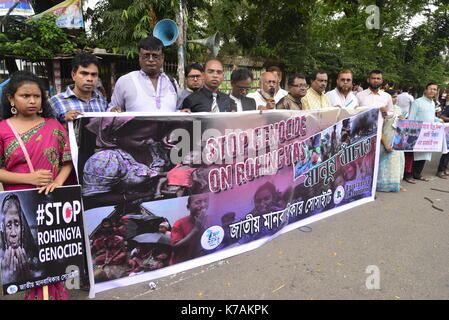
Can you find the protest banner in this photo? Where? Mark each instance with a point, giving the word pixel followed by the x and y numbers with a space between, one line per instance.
pixel 24 8
pixel 446 138
pixel 419 136
pixel 42 238
pixel 166 193
pixel 69 12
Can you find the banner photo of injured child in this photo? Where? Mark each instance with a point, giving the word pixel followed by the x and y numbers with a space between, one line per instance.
pixel 167 193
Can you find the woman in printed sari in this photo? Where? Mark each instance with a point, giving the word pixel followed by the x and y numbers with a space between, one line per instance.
pixel 34 148
pixel 391 163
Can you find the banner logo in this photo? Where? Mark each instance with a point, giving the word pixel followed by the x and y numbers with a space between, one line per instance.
pixel 339 194
pixel 212 237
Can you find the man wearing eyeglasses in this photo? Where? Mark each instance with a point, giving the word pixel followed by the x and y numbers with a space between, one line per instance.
pixel 315 98
pixel 342 96
pixel 241 82
pixel 149 89
pixel 194 80
pixel 297 88
pixel 209 98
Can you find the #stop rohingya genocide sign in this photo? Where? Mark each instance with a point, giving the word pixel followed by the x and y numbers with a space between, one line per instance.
pixel 166 193
pixel 42 238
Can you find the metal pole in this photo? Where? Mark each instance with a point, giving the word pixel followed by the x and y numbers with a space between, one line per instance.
pixel 182 26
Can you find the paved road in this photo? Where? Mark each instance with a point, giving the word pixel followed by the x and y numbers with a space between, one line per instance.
pixel 400 234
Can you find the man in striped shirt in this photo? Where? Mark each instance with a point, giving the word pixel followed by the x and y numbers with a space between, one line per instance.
pixel 83 95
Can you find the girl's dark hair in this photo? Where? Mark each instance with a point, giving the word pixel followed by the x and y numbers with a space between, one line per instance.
pixel 16 81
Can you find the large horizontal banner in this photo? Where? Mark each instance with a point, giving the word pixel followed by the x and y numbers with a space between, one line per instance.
pixel 166 193
pixel 42 238
pixel 419 136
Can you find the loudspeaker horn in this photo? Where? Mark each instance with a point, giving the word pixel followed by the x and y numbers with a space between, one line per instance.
pixel 167 31
pixel 212 43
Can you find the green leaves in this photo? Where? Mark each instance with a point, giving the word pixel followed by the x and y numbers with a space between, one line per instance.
pixel 301 35
pixel 35 39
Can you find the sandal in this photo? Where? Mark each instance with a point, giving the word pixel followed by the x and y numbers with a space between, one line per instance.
pixel 410 180
pixel 441 175
pixel 422 179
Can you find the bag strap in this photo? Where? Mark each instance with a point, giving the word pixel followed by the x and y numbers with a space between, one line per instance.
pixel 22 145
pixel 172 80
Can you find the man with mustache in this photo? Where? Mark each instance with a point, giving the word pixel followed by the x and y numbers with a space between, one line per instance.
pixel 149 89
pixel 297 89
pixel 83 95
pixel 315 98
pixel 342 95
pixel 266 96
pixel 209 98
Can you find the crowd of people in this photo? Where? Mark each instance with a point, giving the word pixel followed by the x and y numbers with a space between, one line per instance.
pixel 35 150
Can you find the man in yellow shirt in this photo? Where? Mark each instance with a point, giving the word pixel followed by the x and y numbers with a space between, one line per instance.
pixel 315 97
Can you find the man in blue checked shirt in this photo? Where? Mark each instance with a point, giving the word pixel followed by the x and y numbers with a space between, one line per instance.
pixel 83 95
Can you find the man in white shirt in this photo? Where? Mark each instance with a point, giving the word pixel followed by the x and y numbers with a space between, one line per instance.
pixel 149 89
pixel 342 96
pixel 373 97
pixel 405 101
pixel 280 93
pixel 265 96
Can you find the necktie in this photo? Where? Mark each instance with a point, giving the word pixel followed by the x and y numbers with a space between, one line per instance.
pixel 214 107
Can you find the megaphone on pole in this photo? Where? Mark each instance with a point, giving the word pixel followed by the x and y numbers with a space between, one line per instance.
pixel 167 31
pixel 212 43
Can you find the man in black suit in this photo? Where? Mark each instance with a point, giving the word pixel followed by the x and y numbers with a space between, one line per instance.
pixel 241 82
pixel 209 98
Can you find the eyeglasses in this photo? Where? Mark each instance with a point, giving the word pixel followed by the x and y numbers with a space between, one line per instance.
pixel 195 76
pixel 243 88
pixel 148 56
pixel 300 86
pixel 346 80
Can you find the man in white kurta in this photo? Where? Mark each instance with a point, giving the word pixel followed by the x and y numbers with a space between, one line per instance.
pixel 266 97
pixel 422 109
pixel 342 96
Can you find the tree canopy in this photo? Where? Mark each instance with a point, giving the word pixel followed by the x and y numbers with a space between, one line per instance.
pixel 300 35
